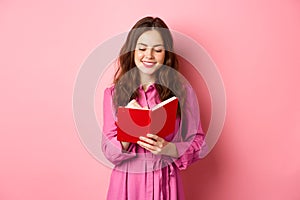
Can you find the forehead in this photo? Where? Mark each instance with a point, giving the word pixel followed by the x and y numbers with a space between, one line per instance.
pixel 151 38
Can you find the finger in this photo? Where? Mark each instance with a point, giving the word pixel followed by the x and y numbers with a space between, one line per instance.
pixel 133 104
pixel 130 104
pixel 160 142
pixel 149 146
pixel 136 104
pixel 155 137
pixel 148 140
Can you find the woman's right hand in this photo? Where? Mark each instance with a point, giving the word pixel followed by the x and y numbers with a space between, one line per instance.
pixel 132 104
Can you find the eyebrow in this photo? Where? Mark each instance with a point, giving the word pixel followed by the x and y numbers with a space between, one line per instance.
pixel 157 45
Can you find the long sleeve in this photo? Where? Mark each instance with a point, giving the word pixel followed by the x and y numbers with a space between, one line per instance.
pixel 111 147
pixel 190 138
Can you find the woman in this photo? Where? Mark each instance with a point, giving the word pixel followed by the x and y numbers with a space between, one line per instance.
pixel 147 74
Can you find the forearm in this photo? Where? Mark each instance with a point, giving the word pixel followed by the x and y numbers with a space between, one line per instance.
pixel 170 150
pixel 114 152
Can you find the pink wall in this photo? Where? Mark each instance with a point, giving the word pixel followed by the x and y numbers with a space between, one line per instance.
pixel 255 45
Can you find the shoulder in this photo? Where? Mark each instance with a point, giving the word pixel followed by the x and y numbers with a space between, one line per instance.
pixel 187 86
pixel 188 90
pixel 109 90
pixel 190 96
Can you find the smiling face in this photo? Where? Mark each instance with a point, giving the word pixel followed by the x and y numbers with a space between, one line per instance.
pixel 149 54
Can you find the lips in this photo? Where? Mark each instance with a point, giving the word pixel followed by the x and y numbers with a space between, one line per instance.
pixel 148 64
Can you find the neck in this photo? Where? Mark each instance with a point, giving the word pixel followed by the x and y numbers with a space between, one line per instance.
pixel 146 81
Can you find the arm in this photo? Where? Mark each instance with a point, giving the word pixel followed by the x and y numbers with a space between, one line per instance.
pixel 183 153
pixel 115 151
pixel 190 138
pixel 186 146
pixel 189 150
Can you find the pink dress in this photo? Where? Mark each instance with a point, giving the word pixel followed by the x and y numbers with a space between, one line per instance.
pixel 140 175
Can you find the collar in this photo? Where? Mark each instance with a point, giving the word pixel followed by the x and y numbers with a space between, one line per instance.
pixel 149 88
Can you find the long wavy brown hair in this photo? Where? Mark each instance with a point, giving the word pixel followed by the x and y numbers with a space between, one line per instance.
pixel 127 78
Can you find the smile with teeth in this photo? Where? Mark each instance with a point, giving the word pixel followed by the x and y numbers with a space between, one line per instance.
pixel 149 64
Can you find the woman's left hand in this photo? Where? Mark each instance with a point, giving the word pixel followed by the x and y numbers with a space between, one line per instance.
pixel 158 145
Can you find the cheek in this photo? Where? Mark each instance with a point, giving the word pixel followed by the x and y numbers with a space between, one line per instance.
pixel 138 55
pixel 161 58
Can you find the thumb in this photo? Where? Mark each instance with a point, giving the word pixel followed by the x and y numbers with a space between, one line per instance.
pixel 133 104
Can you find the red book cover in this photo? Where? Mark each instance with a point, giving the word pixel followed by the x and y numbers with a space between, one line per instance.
pixel 133 122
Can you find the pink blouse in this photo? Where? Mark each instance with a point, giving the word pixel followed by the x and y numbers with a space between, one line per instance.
pixel 139 174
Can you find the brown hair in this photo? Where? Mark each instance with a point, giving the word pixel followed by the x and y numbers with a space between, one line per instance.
pixel 127 79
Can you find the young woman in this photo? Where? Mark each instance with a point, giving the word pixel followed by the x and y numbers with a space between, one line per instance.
pixel 147 74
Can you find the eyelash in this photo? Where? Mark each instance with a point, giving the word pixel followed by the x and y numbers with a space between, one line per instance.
pixel 143 49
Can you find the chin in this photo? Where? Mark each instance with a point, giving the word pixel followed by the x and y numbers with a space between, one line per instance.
pixel 148 72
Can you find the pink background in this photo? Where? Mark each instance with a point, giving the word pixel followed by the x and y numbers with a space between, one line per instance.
pixel 255 45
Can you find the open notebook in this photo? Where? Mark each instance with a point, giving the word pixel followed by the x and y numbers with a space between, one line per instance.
pixel 134 122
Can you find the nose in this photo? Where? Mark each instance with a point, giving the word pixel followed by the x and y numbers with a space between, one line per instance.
pixel 149 53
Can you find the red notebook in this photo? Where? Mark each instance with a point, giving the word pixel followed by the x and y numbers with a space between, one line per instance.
pixel 160 120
